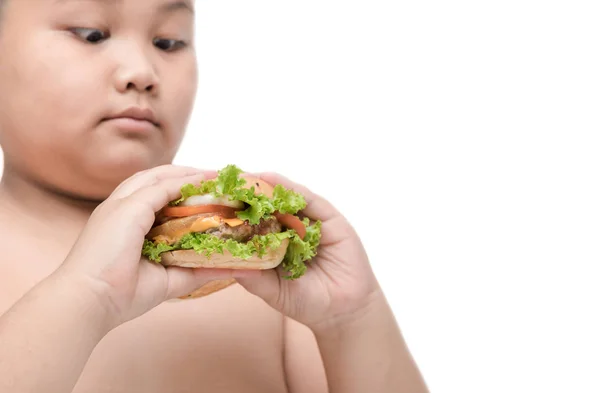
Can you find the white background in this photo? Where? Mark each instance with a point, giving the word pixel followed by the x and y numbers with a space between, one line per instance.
pixel 460 138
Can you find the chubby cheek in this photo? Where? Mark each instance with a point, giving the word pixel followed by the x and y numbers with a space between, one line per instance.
pixel 58 95
pixel 178 96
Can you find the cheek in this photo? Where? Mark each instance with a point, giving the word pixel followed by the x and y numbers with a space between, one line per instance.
pixel 179 92
pixel 54 98
pixel 54 91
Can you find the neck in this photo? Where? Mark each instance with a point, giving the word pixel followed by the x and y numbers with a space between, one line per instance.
pixel 39 206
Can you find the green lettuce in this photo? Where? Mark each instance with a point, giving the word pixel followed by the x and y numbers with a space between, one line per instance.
pixel 287 201
pixel 298 252
pixel 229 183
pixel 189 190
pixel 301 250
pixel 152 250
pixel 260 206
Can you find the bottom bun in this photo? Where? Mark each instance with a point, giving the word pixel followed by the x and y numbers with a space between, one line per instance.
pixel 192 259
pixel 210 287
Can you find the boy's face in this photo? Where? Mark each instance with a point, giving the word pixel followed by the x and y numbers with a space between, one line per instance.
pixel 68 65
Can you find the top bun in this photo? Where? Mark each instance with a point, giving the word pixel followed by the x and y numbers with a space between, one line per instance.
pixel 260 186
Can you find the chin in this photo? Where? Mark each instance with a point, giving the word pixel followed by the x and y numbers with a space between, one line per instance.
pixel 97 181
pixel 118 166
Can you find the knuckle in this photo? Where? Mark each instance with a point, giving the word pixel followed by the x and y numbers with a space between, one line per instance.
pixel 104 208
pixel 131 203
pixel 133 210
pixel 163 168
pixel 160 167
pixel 135 176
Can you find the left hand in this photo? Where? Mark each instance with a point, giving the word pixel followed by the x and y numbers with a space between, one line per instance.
pixel 339 282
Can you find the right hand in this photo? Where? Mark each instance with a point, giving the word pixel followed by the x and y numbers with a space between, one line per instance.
pixel 106 259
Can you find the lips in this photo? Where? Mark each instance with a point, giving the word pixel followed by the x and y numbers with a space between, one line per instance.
pixel 134 121
pixel 136 114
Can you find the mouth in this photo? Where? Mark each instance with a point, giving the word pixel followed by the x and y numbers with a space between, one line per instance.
pixel 134 119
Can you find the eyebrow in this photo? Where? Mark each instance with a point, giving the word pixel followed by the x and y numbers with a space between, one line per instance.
pixel 167 7
pixel 175 6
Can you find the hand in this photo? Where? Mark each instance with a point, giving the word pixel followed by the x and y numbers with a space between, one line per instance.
pixel 106 258
pixel 339 282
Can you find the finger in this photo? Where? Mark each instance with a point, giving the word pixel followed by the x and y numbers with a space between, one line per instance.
pixel 143 204
pixel 317 207
pixel 267 286
pixel 158 195
pixel 182 281
pixel 149 176
pixel 153 176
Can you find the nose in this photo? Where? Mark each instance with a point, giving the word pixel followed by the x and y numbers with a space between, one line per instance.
pixel 136 72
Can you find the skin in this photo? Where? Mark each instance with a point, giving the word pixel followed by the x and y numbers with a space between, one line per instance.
pixel 82 192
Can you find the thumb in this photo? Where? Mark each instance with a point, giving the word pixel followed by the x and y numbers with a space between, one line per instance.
pixel 182 280
pixel 268 285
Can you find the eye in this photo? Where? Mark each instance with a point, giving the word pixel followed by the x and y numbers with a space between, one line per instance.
pixel 92 36
pixel 168 45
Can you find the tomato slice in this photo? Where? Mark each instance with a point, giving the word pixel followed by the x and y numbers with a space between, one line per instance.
pixel 291 221
pixel 185 211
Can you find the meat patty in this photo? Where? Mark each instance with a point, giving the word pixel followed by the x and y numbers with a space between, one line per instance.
pixel 243 233
pixel 171 231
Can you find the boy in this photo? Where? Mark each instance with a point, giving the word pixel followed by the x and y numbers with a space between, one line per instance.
pixel 95 96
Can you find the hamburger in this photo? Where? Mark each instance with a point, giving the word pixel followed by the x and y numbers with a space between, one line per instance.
pixel 235 221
